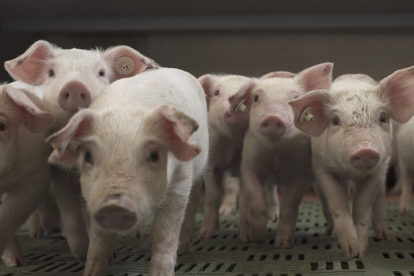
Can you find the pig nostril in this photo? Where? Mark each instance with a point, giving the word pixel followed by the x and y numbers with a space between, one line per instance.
pixel 67 95
pixel 82 96
pixel 279 125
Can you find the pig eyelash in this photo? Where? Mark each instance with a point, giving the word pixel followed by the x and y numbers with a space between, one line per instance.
pixel 154 156
pixel 335 120
pixel 383 117
pixel 2 127
pixel 88 157
pixel 51 73
pixel 217 92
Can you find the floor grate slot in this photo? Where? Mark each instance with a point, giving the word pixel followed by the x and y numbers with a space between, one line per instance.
pixel 288 257
pixel 344 265
pixel 386 255
pixel 263 257
pixel 314 266
pixel 178 267
pixel 327 246
pixel 399 255
pixel 190 268
pixel 359 265
pixel 329 266
pixel 204 267
pixel 218 267
pixel 231 268
pixel 301 257
pixel 250 258
pixel 276 257
pixel 397 273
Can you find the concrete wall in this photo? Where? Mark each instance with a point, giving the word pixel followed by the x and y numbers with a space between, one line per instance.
pixel 248 53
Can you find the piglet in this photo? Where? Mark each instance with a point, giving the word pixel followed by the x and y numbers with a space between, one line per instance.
pixel 352 136
pixel 137 155
pixel 71 79
pixel 24 173
pixel 274 150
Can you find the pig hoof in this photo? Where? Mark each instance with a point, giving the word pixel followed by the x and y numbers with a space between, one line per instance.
pixel 283 243
pixel 273 214
pixel 138 234
pixel 405 209
pixel 12 260
pixel 207 232
pixel 227 209
pixel 79 251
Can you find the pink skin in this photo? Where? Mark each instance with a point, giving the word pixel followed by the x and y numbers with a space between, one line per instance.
pixel 351 121
pixel 275 151
pixel 24 175
pixel 225 136
pixel 72 79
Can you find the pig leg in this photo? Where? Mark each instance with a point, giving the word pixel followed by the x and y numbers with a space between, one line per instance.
pixel 18 205
pixel 167 225
pixel 35 228
pixel 292 196
pixel 188 227
pixel 325 209
pixel 272 201
pixel 337 198
pixel 212 181
pixel 231 189
pixel 68 197
pixel 407 182
pixel 13 255
pixel 379 219
pixel 362 209
pixel 257 206
pixel 101 251
pixel 244 229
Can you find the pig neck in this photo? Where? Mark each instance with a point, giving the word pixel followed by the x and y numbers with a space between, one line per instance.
pixel 29 148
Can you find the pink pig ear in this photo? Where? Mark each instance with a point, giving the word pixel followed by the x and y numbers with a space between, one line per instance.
pixel 399 87
pixel 240 104
pixel 29 109
pixel 316 77
pixel 207 82
pixel 177 129
pixel 278 74
pixel 127 62
pixel 29 67
pixel 309 112
pixel 65 143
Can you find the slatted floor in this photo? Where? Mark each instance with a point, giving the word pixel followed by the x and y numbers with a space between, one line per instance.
pixel 313 254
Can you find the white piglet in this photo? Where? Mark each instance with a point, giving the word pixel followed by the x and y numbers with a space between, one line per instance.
pixel 352 141
pixel 137 154
pixel 24 173
pixel 71 79
pixel 274 152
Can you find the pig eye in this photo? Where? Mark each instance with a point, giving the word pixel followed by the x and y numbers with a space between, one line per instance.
pixel 102 73
pixel 383 117
pixel 153 156
pixel 335 120
pixel 51 73
pixel 2 127
pixel 256 98
pixel 217 92
pixel 88 157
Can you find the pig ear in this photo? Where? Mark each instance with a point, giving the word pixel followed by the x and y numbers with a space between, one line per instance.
pixel 399 87
pixel 206 82
pixel 65 142
pixel 278 74
pixel 309 112
pixel 28 107
pixel 127 62
pixel 29 67
pixel 240 104
pixel 177 128
pixel 316 77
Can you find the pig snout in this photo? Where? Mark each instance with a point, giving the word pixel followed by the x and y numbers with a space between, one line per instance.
pixel 229 119
pixel 116 213
pixel 364 158
pixel 273 125
pixel 74 94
